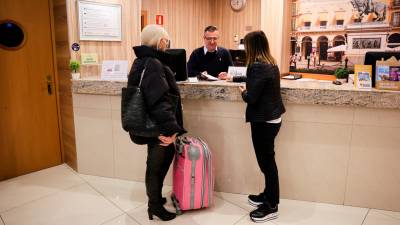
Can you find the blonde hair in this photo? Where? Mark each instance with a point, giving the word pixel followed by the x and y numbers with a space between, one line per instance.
pixel 152 34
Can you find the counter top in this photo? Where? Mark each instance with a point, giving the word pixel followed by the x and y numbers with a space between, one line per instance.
pixel 297 91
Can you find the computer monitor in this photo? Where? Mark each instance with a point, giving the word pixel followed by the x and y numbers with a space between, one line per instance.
pixel 372 57
pixel 238 57
pixel 177 63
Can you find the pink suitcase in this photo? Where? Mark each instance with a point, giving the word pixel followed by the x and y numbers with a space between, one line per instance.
pixel 192 182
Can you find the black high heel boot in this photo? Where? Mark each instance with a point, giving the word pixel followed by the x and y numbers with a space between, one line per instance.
pixel 161 213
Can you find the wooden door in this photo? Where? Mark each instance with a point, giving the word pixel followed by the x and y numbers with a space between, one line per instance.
pixel 29 132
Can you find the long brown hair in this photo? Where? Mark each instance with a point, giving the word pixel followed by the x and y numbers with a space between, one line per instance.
pixel 257 48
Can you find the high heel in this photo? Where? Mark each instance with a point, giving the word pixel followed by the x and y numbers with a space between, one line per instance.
pixel 150 214
pixel 161 213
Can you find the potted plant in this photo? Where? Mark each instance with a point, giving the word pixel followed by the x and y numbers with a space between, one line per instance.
pixel 341 74
pixel 74 65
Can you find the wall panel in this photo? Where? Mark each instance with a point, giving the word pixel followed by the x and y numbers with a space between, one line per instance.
pixel 232 22
pixel 115 50
pixel 67 132
pixel 184 20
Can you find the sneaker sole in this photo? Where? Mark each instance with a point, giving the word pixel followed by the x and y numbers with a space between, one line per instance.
pixel 268 217
pixel 254 204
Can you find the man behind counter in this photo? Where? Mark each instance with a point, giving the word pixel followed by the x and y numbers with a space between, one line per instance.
pixel 210 58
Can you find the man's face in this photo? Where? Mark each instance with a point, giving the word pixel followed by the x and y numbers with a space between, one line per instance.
pixel 210 40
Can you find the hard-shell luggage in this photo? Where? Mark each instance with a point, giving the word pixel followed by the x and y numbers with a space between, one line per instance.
pixel 193 178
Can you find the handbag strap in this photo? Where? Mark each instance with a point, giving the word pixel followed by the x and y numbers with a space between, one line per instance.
pixel 141 76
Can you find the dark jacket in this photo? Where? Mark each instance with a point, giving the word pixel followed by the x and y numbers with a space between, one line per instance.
pixel 263 93
pixel 158 82
pixel 212 62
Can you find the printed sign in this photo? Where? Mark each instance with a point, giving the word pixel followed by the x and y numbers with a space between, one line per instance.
pixel 114 70
pixel 89 58
pixel 237 71
pixel 363 76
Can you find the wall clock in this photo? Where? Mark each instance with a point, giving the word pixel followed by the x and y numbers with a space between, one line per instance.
pixel 238 5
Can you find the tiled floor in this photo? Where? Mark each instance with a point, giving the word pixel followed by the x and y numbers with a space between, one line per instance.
pixel 58 196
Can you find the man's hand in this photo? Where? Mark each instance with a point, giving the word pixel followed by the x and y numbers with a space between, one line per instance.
pixel 225 76
pixel 242 88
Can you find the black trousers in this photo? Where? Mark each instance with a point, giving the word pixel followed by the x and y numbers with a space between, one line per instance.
pixel 263 135
pixel 159 158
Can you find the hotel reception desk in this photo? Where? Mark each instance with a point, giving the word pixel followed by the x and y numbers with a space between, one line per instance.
pixel 336 145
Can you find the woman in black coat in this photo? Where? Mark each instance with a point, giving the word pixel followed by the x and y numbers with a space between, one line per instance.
pixel 264 109
pixel 158 85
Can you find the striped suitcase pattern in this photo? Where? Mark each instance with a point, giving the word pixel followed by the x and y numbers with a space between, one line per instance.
pixel 193 182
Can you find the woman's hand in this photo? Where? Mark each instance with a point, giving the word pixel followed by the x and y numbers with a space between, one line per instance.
pixel 242 88
pixel 165 140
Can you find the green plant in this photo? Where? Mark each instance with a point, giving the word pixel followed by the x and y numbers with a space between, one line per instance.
pixel 74 65
pixel 341 73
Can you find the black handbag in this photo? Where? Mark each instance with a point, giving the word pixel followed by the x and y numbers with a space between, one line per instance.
pixel 134 115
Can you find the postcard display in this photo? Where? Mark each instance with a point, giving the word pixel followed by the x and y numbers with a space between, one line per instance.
pixel 388 74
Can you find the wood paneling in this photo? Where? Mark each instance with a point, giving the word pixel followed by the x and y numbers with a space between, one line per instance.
pixel 184 20
pixel 275 23
pixel 67 132
pixel 115 50
pixel 231 23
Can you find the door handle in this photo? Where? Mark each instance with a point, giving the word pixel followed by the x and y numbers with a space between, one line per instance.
pixel 49 80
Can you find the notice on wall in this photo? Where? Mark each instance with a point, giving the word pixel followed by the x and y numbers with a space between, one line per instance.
pixel 114 70
pixel 89 58
pixel 99 21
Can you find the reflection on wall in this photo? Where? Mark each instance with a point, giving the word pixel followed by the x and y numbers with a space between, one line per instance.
pixel 326 32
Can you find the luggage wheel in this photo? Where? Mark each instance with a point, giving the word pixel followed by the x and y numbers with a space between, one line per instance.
pixel 176 205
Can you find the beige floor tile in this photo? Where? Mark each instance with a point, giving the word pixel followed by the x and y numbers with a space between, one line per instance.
pixel 121 220
pixel 125 194
pixel 222 213
pixel 236 199
pixel 247 221
pixel 23 189
pixel 80 205
pixel 389 213
pixel 376 217
pixel 308 213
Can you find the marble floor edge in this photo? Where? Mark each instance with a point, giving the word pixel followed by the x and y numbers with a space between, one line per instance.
pixel 42 197
pixel 365 217
pixel 239 219
pixel 109 220
pixel 382 213
pixel 105 197
pixel 233 203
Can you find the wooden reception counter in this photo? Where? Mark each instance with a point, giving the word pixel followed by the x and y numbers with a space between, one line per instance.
pixel 336 145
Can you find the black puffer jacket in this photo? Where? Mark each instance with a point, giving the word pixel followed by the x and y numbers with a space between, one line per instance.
pixel 263 92
pixel 158 81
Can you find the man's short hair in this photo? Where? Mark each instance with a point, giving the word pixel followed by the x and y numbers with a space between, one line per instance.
pixel 210 29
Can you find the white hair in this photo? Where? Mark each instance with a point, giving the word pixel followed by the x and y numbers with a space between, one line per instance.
pixel 152 35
